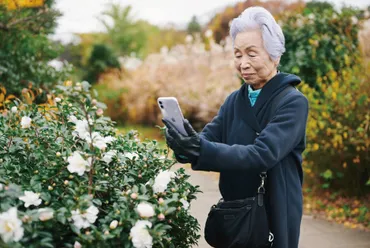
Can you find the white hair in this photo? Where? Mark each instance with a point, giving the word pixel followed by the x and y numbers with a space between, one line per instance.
pixel 260 18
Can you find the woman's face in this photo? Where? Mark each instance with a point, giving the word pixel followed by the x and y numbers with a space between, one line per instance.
pixel 252 60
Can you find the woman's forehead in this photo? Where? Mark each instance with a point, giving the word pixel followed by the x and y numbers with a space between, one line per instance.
pixel 248 39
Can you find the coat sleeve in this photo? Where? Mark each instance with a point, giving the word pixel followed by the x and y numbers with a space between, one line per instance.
pixel 278 139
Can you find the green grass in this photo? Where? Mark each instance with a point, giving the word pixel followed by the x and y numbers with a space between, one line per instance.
pixel 145 132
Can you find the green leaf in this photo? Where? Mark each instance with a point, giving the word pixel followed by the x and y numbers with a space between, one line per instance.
pixel 97 202
pixel 328 174
pixel 368 182
pixel 170 210
pixel 325 185
pixel 362 99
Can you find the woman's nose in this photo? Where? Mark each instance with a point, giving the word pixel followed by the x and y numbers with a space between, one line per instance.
pixel 245 63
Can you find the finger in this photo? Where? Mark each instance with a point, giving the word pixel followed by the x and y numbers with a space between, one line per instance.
pixel 169 138
pixel 174 133
pixel 189 129
pixel 166 123
pixel 171 142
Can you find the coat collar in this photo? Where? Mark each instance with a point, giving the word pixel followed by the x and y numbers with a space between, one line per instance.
pixel 243 104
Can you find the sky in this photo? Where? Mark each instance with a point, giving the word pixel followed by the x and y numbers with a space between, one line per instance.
pixel 80 16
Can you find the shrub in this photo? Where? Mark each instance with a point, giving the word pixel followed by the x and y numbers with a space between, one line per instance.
pixel 101 60
pixel 320 40
pixel 25 49
pixel 67 179
pixel 338 140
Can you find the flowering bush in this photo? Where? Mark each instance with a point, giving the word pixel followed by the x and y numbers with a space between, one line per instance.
pixel 338 128
pixel 321 39
pixel 67 180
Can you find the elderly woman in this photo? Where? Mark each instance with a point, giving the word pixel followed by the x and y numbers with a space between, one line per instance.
pixel 259 128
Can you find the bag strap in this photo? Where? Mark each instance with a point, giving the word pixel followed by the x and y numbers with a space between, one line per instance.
pixel 275 103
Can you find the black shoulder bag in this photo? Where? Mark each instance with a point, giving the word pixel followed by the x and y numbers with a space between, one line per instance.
pixel 242 223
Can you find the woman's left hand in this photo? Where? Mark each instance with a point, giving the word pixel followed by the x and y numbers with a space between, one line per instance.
pixel 188 146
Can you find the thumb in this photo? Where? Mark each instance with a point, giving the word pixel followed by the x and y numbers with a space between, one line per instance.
pixel 189 129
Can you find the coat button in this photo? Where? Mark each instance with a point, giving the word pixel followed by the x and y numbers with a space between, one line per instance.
pixel 258 134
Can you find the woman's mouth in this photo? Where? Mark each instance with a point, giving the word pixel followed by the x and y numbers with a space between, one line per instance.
pixel 247 75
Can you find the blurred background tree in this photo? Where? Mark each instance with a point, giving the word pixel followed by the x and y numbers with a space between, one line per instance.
pixel 25 49
pixel 124 34
pixel 101 60
pixel 319 40
pixel 194 26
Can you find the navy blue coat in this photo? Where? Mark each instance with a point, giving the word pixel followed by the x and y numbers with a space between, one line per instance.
pixel 230 145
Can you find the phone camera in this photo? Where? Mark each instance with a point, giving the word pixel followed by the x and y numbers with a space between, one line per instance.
pixel 160 102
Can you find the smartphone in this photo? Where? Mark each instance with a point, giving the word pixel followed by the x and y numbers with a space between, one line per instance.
pixel 171 112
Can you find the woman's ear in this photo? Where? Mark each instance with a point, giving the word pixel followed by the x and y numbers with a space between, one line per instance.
pixel 277 62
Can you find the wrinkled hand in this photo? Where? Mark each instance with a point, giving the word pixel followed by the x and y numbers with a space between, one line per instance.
pixel 186 148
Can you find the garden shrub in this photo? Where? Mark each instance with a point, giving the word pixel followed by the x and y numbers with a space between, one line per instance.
pixel 68 180
pixel 25 49
pixel 338 132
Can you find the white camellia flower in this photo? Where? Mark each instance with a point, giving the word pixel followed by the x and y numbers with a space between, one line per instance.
pixel 113 224
pixel 14 109
pixel 109 155
pixel 82 129
pixel 30 198
pixel 145 210
pixel 86 219
pixel 161 181
pixel 77 164
pixel 109 139
pixel 57 99
pixel 26 122
pixel 97 140
pixel 45 214
pixel 10 226
pixel 72 119
pixel 140 235
pixel 130 155
pixel 77 245
pixel 185 203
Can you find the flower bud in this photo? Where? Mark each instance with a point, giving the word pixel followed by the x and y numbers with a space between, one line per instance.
pixel 99 112
pixel 113 224
pixel 133 196
pixel 161 216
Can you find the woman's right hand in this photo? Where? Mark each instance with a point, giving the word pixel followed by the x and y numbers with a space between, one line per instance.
pixel 185 148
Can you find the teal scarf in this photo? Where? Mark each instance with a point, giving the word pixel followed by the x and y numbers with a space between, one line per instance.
pixel 253 94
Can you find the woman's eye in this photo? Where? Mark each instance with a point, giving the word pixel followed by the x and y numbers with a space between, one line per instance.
pixel 252 55
pixel 238 56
